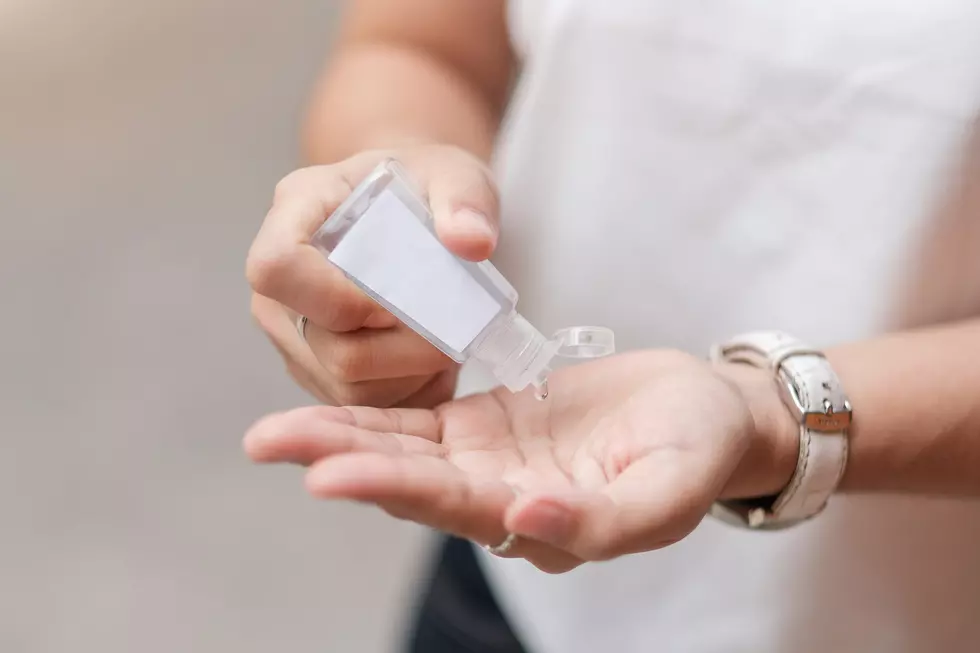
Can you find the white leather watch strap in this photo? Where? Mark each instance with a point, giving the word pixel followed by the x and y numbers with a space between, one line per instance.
pixel 812 391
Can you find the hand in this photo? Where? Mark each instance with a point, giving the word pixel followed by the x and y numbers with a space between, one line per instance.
pixel 626 455
pixel 355 351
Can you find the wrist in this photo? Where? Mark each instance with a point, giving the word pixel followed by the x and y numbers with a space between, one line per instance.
pixel 773 447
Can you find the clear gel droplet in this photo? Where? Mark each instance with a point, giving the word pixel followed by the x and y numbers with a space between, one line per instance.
pixel 576 342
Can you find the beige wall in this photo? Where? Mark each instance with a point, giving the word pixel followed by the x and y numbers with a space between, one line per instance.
pixel 139 144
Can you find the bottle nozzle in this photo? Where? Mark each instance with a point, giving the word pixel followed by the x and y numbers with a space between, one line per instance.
pixel 519 355
pixel 516 353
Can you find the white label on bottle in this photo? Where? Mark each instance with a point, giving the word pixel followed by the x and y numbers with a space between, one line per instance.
pixel 391 252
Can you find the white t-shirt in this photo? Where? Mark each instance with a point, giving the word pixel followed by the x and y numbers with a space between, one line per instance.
pixel 683 170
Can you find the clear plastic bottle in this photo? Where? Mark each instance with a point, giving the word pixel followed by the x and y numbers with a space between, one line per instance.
pixel 383 239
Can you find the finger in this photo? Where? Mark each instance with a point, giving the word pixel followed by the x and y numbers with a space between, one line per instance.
pixel 303 280
pixel 439 389
pixel 464 204
pixel 414 422
pixel 434 493
pixel 304 436
pixel 410 421
pixel 656 501
pixel 283 266
pixel 306 381
pixel 280 327
pixel 427 490
pixel 303 365
pixel 302 376
pixel 379 392
pixel 369 354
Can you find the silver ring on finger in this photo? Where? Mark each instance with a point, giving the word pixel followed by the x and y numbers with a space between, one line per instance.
pixel 301 321
pixel 503 547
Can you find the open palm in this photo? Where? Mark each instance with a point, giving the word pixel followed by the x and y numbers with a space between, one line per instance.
pixel 625 455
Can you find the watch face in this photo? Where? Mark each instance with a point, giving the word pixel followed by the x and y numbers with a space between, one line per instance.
pixel 812 393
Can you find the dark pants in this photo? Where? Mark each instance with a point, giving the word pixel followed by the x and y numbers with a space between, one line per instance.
pixel 458 613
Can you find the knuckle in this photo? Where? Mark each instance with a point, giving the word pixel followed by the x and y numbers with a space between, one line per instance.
pixel 296 182
pixel 266 268
pixel 370 157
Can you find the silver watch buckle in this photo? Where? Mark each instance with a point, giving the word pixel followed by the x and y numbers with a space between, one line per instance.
pixel 831 419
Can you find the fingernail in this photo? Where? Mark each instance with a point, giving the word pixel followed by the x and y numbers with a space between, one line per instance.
pixel 546 521
pixel 473 222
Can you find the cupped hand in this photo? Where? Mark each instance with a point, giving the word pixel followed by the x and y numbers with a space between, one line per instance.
pixel 626 455
pixel 356 352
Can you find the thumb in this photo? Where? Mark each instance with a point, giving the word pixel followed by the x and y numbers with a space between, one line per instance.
pixel 653 503
pixel 464 204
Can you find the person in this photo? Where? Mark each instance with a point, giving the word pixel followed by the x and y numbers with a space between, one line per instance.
pixel 682 173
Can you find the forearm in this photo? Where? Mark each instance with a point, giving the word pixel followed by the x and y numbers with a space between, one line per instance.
pixel 916 425
pixel 406 73
pixel 382 96
pixel 916 397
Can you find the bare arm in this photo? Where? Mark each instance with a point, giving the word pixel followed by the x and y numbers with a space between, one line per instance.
pixel 412 71
pixel 917 411
pixel 916 428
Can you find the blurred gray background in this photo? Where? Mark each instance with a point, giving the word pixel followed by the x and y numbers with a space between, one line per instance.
pixel 139 146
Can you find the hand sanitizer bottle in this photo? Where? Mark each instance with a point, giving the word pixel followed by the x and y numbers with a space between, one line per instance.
pixel 383 239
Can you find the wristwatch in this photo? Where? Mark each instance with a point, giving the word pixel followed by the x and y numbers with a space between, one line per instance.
pixel 812 392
